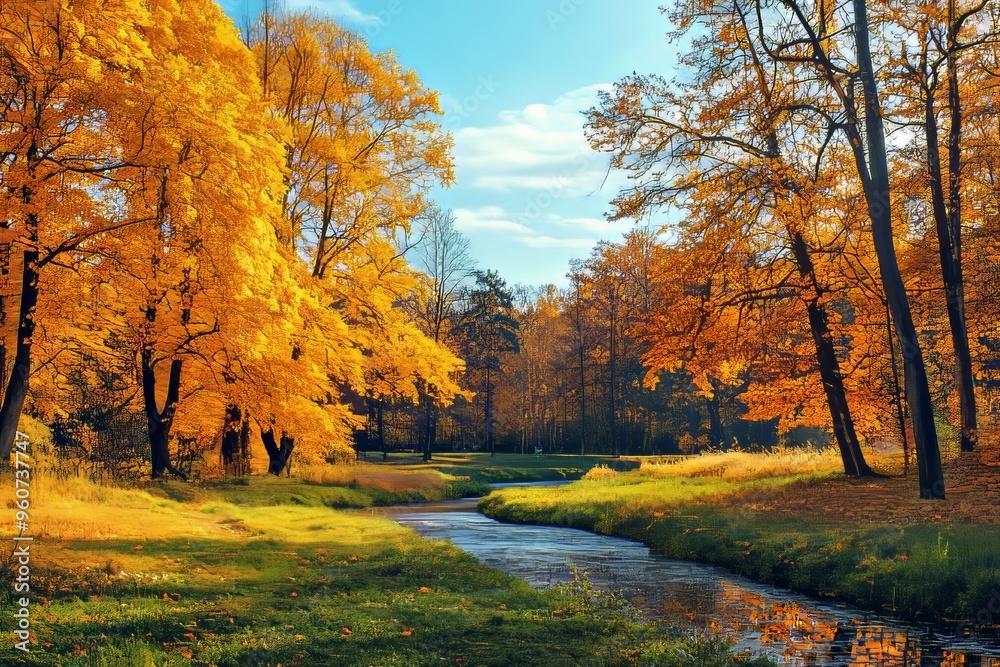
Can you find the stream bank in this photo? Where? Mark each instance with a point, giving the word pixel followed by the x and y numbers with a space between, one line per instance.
pixel 790 628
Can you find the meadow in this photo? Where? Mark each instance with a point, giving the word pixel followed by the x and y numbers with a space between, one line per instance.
pixel 301 571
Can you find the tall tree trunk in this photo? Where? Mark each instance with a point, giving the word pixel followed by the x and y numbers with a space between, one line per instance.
pixel 274 463
pixel 562 427
pixel 612 411
pixel 243 462
pixel 159 421
pixel 956 291
pixel 829 366
pixel 278 455
pixel 874 172
pixel 379 429
pixel 947 220
pixel 836 396
pixel 236 441
pixel 896 391
pixel 430 427
pixel 231 437
pixel 583 401
pixel 287 445
pixel 489 414
pixel 716 431
pixel 17 384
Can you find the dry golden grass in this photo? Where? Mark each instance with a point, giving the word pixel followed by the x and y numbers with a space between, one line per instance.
pixel 380 477
pixel 601 472
pixel 76 508
pixel 745 466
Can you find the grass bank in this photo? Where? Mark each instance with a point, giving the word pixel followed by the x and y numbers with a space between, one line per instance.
pixel 267 573
pixel 483 468
pixel 943 572
pixel 341 487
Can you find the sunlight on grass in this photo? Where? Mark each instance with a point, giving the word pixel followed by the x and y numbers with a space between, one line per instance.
pixel 745 466
pixel 698 509
pixel 263 571
pixel 386 478
pixel 593 503
pixel 663 482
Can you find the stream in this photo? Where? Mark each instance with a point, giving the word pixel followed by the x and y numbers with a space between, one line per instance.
pixel 791 628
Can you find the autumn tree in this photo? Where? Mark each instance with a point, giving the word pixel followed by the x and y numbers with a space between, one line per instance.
pixel 527 399
pixel 948 35
pixel 65 73
pixel 441 254
pixel 489 331
pixel 574 304
pixel 737 186
pixel 112 114
pixel 795 60
pixel 363 151
pixel 872 163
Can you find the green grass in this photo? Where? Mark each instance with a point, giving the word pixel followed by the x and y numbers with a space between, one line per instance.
pixel 943 574
pixel 272 491
pixel 508 467
pixel 266 573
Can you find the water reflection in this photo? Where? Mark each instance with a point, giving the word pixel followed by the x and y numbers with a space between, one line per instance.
pixel 794 629
pixel 806 634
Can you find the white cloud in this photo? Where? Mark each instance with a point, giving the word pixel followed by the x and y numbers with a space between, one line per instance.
pixel 343 10
pixel 596 226
pixel 551 242
pixel 488 218
pixel 493 224
pixel 541 147
pixel 533 190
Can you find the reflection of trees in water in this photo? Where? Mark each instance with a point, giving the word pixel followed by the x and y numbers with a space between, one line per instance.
pixel 680 601
pixel 799 635
pixel 695 596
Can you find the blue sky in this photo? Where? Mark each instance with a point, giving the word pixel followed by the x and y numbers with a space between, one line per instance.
pixel 514 77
